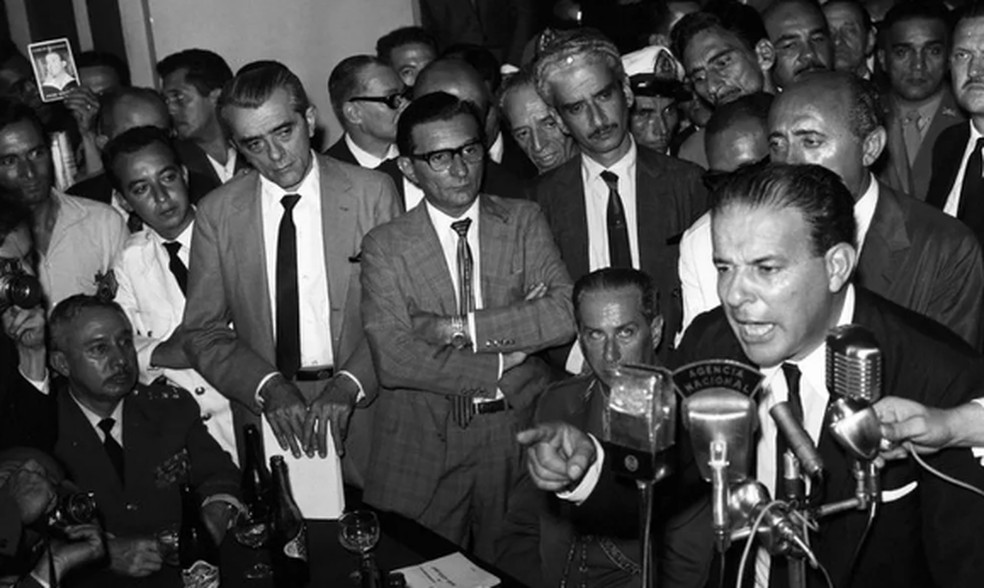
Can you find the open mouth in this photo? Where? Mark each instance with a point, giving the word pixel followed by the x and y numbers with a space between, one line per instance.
pixel 754 332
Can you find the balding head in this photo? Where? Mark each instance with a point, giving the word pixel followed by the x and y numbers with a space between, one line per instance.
pixel 737 133
pixel 456 77
pixel 128 108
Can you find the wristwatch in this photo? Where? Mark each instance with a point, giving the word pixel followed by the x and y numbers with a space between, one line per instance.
pixel 459 332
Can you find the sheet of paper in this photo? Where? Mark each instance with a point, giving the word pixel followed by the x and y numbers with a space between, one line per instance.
pixel 450 571
pixel 315 482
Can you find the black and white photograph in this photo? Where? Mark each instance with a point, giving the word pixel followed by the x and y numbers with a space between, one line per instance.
pixel 54 68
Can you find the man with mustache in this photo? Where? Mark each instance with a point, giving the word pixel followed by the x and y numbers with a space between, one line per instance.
pixel 619 204
pixel 130 444
pixel 913 52
pixel 726 54
pixel 853 35
pixel 957 186
pixel 798 31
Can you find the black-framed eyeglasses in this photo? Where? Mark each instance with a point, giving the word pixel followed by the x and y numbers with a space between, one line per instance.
pixel 713 180
pixel 394 101
pixel 441 159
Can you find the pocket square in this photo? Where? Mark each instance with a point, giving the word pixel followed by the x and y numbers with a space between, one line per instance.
pixel 357 258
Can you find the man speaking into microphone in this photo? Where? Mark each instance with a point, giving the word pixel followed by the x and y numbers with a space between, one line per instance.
pixel 784 247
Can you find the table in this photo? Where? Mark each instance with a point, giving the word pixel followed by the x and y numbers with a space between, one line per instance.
pixel 402 543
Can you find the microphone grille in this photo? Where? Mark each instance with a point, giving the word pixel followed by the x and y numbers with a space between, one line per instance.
pixel 854 363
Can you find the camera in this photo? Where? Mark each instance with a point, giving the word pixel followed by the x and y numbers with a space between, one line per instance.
pixel 17 287
pixel 74 508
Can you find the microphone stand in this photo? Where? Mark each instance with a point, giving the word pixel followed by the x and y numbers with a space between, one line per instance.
pixel 795 493
pixel 646 527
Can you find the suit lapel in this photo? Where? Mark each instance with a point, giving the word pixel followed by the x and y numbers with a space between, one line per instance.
pixel 652 236
pixel 947 115
pixel 898 165
pixel 338 222
pixel 884 245
pixel 82 448
pixel 138 441
pixel 426 258
pixel 247 247
pixel 572 216
pixel 496 249
pixel 948 158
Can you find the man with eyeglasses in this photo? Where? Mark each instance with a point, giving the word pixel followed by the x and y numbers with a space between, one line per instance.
pixel 457 294
pixel 367 97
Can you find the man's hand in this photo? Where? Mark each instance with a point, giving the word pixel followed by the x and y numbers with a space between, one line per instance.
pixel 170 353
pixel 84 545
pixel 332 408
pixel 217 515
pixel 431 328
pixel 134 556
pixel 512 359
pixel 559 454
pixel 84 105
pixel 928 429
pixel 285 410
pixel 28 485
pixel 25 326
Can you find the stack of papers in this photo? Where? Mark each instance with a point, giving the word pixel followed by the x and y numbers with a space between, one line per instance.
pixel 450 571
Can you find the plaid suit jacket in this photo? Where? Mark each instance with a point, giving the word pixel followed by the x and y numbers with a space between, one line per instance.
pixel 404 272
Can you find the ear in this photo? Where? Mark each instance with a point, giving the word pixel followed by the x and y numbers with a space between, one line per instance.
pixel 627 92
pixel 840 261
pixel 656 327
pixel 765 54
pixel 184 174
pixel 873 146
pixel 311 117
pixel 60 363
pixel 406 166
pixel 121 200
pixel 213 96
pixel 101 141
pixel 351 113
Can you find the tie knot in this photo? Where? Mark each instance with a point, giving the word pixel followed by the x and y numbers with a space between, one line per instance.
pixel 107 425
pixel 790 370
pixel 611 179
pixel 461 227
pixel 172 248
pixel 290 201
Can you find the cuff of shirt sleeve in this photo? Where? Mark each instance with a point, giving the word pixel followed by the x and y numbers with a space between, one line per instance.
pixel 587 484
pixel 42 385
pixel 266 378
pixel 41 581
pixel 474 338
pixel 362 393
pixel 978 451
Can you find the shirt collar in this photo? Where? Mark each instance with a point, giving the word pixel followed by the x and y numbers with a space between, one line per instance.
pixel 365 158
pixel 498 146
pixel 927 110
pixel 309 185
pixel 592 169
pixel 974 133
pixel 93 418
pixel 442 221
pixel 184 238
pixel 864 210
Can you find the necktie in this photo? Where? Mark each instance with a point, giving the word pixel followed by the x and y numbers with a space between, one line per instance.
pixel 778 571
pixel 912 133
pixel 466 296
pixel 619 254
pixel 288 312
pixel 177 266
pixel 113 449
pixel 971 208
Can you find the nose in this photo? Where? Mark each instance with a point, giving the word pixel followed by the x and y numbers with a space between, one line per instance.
pixel 275 151
pixel 160 196
pixel 976 67
pixel 733 289
pixel 538 142
pixel 459 168
pixel 597 116
pixel 780 152
pixel 714 83
pixel 807 53
pixel 612 352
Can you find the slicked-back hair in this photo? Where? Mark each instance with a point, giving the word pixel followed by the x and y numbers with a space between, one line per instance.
pixel 816 192
pixel 255 83
pixel 205 70
pixel 400 37
pixel 14 111
pixel 915 9
pixel 617 278
pixel 739 20
pixel 429 108
pixel 69 309
pixel 130 142
pixel 753 107
pixel 104 59
pixel 568 46
pixel 109 100
pixel 969 10
pixel 345 80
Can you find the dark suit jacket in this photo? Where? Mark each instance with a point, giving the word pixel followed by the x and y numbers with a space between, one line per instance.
pixel 929 537
pixel 947 156
pixel 926 261
pixel 404 273
pixel 228 282
pixel 340 151
pixel 503 27
pixel 895 170
pixel 164 445
pixel 195 159
pixel 27 417
pixel 669 198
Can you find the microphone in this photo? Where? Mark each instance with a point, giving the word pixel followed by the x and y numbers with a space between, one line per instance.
pixel 798 439
pixel 778 533
pixel 639 422
pixel 854 363
pixel 721 422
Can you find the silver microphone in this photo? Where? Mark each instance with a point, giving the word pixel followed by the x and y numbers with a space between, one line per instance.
pixel 854 363
pixel 639 422
pixel 798 439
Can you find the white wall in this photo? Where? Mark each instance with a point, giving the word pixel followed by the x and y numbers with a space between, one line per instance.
pixel 309 36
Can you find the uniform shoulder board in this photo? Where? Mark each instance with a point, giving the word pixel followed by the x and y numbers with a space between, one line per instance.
pixel 161 389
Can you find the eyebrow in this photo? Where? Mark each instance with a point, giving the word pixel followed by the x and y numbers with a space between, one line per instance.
pixel 283 127
pixel 721 54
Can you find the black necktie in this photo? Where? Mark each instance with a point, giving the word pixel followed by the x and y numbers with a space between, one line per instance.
pixel 971 207
pixel 113 449
pixel 288 312
pixel 779 570
pixel 619 254
pixel 177 266
pixel 466 296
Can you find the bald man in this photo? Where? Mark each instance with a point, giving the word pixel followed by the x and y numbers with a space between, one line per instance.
pixel 798 30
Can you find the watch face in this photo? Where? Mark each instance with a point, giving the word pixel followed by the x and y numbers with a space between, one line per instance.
pixel 459 340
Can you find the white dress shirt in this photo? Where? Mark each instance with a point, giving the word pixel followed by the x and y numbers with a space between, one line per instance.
pixel 94 419
pixel 312 275
pixel 596 204
pixel 225 172
pixel 953 200
pixel 366 159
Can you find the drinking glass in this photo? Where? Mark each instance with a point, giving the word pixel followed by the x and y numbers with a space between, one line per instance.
pixel 252 531
pixel 359 531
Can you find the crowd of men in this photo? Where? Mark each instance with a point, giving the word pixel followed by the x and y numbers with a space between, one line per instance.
pixel 433 309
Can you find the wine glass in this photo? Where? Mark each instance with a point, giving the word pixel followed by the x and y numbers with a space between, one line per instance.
pixel 252 531
pixel 358 532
